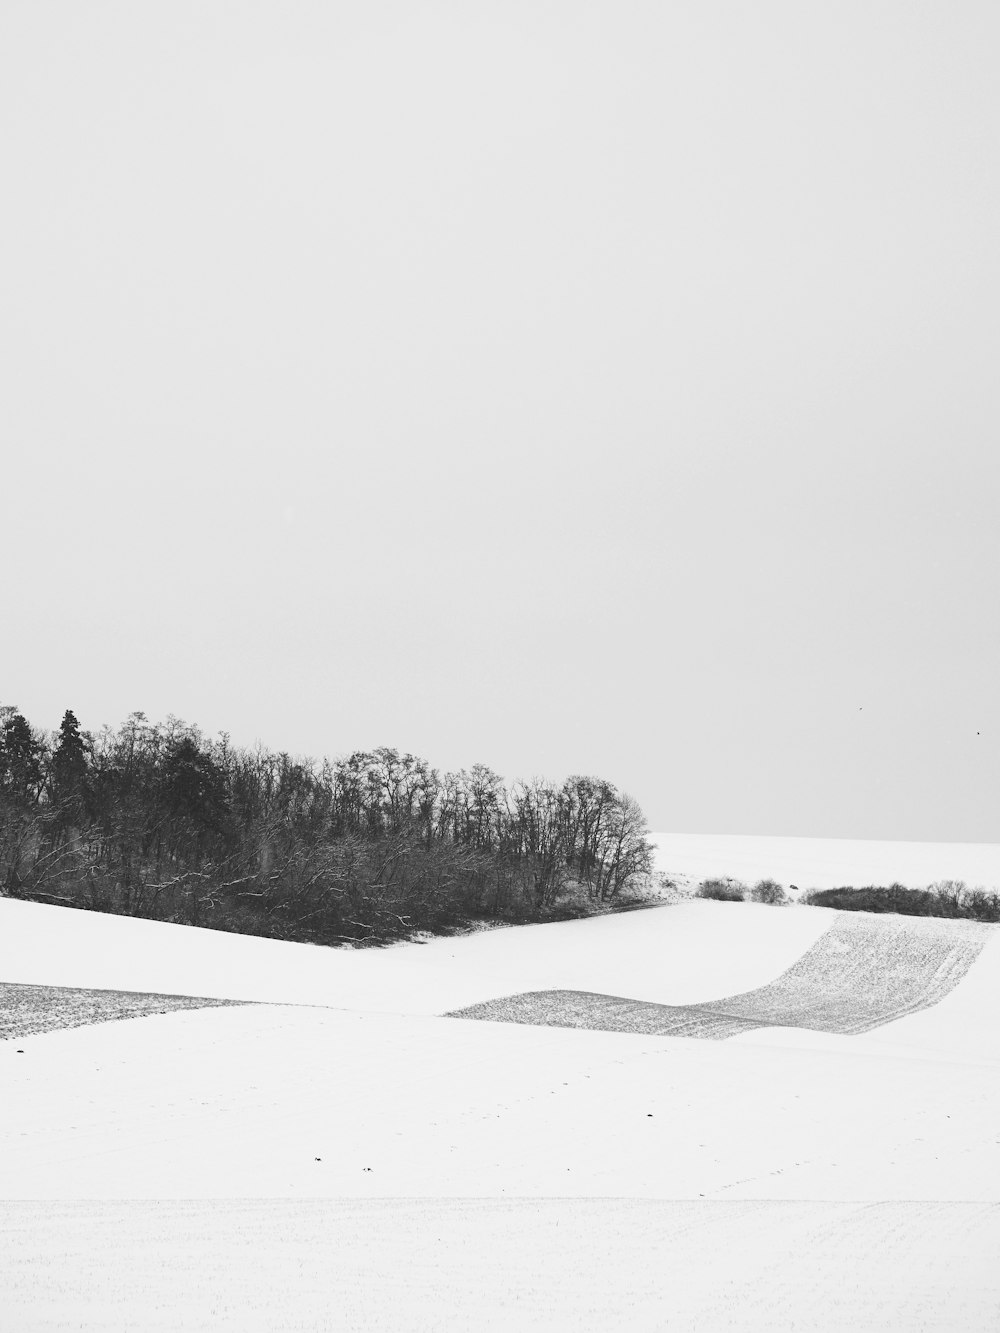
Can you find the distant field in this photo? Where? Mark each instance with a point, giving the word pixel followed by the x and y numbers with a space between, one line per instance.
pixel 825 863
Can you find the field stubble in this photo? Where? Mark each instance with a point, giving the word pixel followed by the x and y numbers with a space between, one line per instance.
pixel 863 972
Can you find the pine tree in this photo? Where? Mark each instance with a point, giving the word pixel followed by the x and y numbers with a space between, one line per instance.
pixel 69 760
pixel 20 758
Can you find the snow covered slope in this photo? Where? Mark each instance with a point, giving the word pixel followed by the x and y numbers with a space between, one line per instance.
pixel 698 951
pixel 333 1152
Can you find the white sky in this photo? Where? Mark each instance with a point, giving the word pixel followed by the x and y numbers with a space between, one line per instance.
pixel 602 387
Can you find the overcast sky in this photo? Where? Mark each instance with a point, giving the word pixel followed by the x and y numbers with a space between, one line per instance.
pixel 570 387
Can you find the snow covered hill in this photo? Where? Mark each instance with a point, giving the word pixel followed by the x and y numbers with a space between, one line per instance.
pixel 333 1151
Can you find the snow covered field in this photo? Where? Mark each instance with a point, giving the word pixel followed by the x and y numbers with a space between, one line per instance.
pixel 826 863
pixel 335 1153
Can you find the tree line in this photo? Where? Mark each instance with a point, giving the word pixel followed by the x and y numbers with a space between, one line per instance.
pixel 158 820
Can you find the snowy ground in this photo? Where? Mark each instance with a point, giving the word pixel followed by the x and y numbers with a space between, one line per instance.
pixel 826 863
pixel 863 972
pixel 333 1153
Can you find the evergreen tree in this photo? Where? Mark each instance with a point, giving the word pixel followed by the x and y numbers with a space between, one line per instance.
pixel 20 758
pixel 69 760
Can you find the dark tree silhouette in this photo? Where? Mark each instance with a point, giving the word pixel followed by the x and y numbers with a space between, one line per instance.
pixel 68 767
pixel 153 819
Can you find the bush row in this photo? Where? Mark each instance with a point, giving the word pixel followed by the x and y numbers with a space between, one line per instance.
pixel 947 898
pixel 735 891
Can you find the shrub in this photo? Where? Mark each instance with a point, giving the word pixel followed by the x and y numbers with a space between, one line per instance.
pixel 768 891
pixel 877 898
pixel 976 904
pixel 947 898
pixel 949 888
pixel 722 890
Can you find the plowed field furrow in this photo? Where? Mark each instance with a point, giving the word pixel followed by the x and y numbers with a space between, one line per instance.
pixel 28 1011
pixel 862 973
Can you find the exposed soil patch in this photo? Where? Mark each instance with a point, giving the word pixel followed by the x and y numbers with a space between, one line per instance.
pixel 27 1011
pixel 864 972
